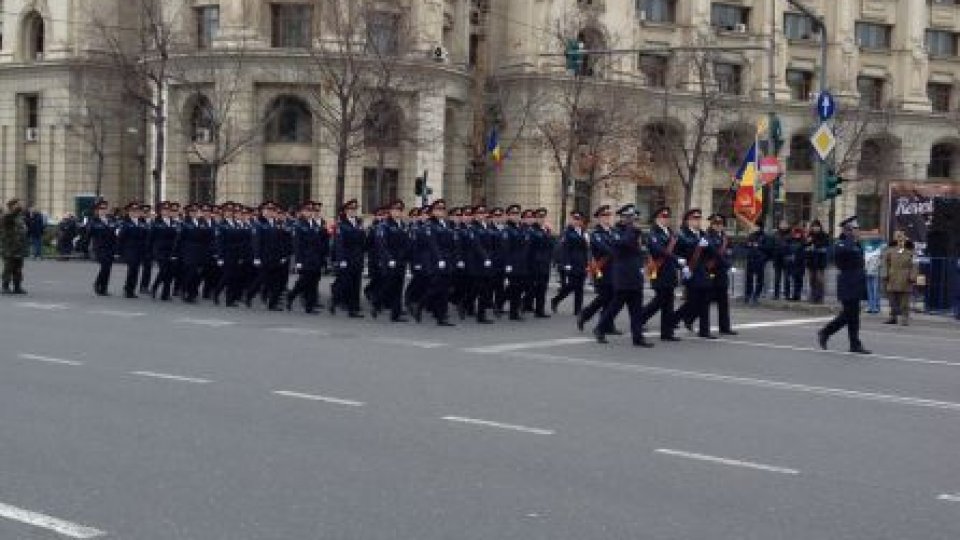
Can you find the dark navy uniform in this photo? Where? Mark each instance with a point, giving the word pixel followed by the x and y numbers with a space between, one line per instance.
pixel 480 247
pixel 600 252
pixel 816 254
pixel 103 242
pixel 231 240
pixel 662 270
pixel 626 273
pixel 392 243
pixel 133 248
pixel 442 250
pixel 759 251
pixel 163 240
pixel 794 262
pixel 348 251
pixel 515 242
pixel 146 265
pixel 719 265
pixel 696 250
pixel 851 287
pixel 310 245
pixel 572 265
pixel 193 248
pixel 541 256
pixel 271 251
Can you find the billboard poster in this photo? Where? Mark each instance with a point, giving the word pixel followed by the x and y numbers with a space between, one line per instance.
pixel 911 208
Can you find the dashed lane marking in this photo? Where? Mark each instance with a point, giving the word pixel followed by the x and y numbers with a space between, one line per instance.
pixel 742 381
pixel 50 523
pixel 786 322
pixel 315 397
pixel 42 306
pixel 842 353
pixel 409 342
pixel 508 347
pixel 301 331
pixel 949 497
pixel 169 377
pixel 726 461
pixel 117 313
pixel 214 323
pixel 498 425
pixel 48 359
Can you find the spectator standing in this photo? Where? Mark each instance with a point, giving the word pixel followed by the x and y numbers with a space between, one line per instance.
pixel 899 277
pixel 13 247
pixel 36 224
pixel 818 243
pixel 781 273
pixel 759 251
pixel 873 261
pixel 66 234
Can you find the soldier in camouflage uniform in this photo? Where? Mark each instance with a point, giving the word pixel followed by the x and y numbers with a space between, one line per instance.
pixel 13 247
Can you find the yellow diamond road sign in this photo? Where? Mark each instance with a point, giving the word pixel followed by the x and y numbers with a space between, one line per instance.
pixel 823 141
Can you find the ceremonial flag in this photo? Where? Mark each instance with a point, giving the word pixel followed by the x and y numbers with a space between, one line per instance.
pixel 494 150
pixel 749 201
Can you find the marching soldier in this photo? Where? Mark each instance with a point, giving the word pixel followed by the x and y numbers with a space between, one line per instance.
pixel 515 241
pixel 163 239
pixel 132 246
pixel 271 251
pixel 480 247
pixel 498 290
pixel 348 253
pixel 696 251
pixel 392 245
pixel 719 267
pixel 146 266
pixel 600 252
pixel 442 247
pixel 103 241
pixel 662 270
pixel 541 255
pixel 626 273
pixel 572 264
pixel 309 252
pixel 851 287
pixel 417 252
pixel 193 248
pixel 373 289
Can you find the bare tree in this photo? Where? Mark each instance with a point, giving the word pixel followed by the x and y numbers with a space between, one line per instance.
pixel 140 41
pixel 866 145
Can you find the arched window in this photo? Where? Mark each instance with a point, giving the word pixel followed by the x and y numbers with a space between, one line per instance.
pixel 732 145
pixel 941 160
pixel 203 122
pixel 879 158
pixel 381 127
pixel 801 154
pixel 33 36
pixel 289 121
pixel 662 141
pixel 592 40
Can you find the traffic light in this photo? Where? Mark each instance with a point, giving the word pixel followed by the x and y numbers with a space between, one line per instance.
pixel 831 188
pixel 776 134
pixel 418 186
pixel 574 55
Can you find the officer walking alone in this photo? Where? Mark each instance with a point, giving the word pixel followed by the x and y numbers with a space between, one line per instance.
pixel 851 287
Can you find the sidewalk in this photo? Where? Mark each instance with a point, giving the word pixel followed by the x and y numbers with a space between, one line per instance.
pixel 830 307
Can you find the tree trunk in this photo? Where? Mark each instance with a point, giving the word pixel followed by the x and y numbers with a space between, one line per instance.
pixel 341 177
pixel 100 160
pixel 159 126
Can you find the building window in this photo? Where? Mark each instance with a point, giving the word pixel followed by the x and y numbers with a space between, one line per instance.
pixel 798 207
pixel 732 145
pixel 941 161
pixel 208 25
pixel 34 43
pixel 728 78
pixel 203 189
pixel 728 17
pixel 291 25
pixel 649 199
pixel 799 26
pixel 873 36
pixel 30 181
pixel 654 68
pixel 800 83
pixel 592 40
pixel 871 92
pixel 801 154
pixel 202 120
pixel 473 53
pixel 383 36
pixel 287 185
pixel 868 211
pixel 658 11
pixel 289 121
pixel 375 196
pixel 940 43
pixel 31 104
pixel 381 128
pixel 587 129
pixel 939 94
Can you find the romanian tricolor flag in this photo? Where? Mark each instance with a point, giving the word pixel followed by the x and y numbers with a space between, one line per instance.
pixel 493 149
pixel 749 202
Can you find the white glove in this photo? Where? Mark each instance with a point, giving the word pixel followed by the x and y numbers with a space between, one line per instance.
pixel 460 265
pixel 487 263
pixel 220 262
pixel 417 267
pixel 256 262
pixel 343 264
pixel 283 260
pixel 703 243
pixel 442 265
pixel 508 269
pixel 568 268
pixel 682 262
pixel 299 266
pixel 392 264
pixel 686 272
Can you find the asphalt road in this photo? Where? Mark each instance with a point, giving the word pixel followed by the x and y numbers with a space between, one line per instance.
pixel 134 419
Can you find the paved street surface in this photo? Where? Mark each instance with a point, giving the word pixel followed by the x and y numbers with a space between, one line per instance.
pixel 134 419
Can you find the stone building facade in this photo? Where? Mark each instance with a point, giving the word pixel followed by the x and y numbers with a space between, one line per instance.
pixel 65 121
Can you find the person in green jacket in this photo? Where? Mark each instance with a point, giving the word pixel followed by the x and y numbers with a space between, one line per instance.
pixel 13 247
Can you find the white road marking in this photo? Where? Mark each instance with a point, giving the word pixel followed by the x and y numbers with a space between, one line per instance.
pixel 48 359
pixel 726 461
pixel 842 353
pixel 43 521
pixel 314 397
pixel 300 331
pixel 949 498
pixel 499 425
pixel 116 313
pixel 507 347
pixel 215 323
pixel 169 377
pixel 409 342
pixel 45 307
pixel 744 381
pixel 786 322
